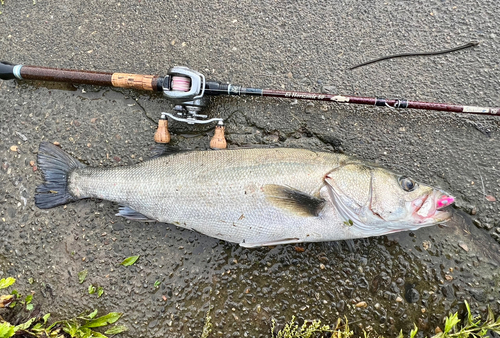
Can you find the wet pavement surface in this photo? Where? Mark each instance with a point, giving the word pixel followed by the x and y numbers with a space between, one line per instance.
pixel 380 284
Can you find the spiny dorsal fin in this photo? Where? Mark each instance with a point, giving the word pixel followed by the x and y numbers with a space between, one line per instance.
pixel 293 200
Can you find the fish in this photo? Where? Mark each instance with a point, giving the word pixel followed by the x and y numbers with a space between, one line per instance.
pixel 253 197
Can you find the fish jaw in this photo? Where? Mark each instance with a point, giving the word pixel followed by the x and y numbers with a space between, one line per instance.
pixel 428 209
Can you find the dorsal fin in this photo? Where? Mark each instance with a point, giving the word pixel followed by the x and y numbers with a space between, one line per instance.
pixel 293 200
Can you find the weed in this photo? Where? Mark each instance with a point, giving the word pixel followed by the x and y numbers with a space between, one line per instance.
pixel 79 327
pixel 472 327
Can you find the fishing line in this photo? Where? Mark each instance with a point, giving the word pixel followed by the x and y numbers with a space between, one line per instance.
pixel 467 45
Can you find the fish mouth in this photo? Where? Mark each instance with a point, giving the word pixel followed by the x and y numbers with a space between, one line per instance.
pixel 431 208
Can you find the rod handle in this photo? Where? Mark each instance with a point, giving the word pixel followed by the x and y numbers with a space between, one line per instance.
pixel 122 80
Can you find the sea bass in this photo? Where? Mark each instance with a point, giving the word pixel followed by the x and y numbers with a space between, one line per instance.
pixel 254 197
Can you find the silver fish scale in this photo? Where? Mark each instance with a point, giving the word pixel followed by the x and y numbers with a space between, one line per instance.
pixel 219 193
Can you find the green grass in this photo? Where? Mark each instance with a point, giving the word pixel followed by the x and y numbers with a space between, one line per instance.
pixel 470 326
pixel 82 326
pixel 311 329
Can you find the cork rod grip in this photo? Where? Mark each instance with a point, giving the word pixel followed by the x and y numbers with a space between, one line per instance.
pixel 134 81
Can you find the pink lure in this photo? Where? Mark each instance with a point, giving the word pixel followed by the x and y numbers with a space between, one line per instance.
pixel 444 201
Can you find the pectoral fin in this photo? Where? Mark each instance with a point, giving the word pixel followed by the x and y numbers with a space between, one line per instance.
pixel 293 200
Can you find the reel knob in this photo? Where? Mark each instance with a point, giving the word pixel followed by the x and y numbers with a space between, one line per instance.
pixel 162 135
pixel 218 141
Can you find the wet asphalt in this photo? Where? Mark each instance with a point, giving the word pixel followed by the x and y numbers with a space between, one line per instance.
pixel 380 284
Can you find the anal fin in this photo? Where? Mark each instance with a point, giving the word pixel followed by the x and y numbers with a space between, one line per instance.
pixel 269 243
pixel 131 214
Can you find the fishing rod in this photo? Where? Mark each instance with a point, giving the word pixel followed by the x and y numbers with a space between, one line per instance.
pixel 189 89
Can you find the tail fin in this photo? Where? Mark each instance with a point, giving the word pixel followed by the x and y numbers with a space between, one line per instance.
pixel 56 166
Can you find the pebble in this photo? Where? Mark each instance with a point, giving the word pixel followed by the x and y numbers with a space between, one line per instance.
pixel 23 137
pixel 362 304
pixel 412 295
pixel 426 245
pixel 448 291
pixel 309 108
pixel 329 89
pixel 496 237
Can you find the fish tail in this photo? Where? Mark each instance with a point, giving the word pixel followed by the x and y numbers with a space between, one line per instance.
pixel 56 166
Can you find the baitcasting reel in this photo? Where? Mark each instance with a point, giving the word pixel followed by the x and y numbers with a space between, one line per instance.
pixel 186 88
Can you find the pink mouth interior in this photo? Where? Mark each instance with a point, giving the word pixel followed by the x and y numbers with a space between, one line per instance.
pixel 444 201
pixel 430 211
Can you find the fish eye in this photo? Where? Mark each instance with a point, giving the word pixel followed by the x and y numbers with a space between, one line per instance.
pixel 407 183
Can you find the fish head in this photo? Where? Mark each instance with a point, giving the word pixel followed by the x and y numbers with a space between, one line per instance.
pixel 375 201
